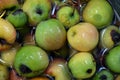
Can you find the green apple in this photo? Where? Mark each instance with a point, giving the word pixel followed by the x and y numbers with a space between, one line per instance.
pixel 82 65
pixel 109 36
pixel 50 34
pixel 30 61
pixel 99 13
pixel 58 69
pixel 37 10
pixel 7 4
pixel 8 56
pixel 68 16
pixel 7 34
pixel 83 36
pixel 4 73
pixel 103 75
pixel 18 18
pixel 112 59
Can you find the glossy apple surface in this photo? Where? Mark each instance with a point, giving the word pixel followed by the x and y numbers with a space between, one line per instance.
pixel 82 65
pixel 83 36
pixel 50 34
pixel 99 13
pixel 68 16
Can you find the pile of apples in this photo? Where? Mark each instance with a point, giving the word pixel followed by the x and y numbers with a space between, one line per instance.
pixel 59 40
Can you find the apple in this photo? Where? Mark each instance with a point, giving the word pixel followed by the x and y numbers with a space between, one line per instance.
pixel 109 36
pixel 13 75
pixel 83 36
pixel 82 65
pixel 40 78
pixel 112 59
pixel 7 56
pixel 58 69
pixel 99 13
pixel 7 4
pixel 118 77
pixel 103 74
pixel 17 18
pixel 4 73
pixel 7 34
pixel 30 61
pixel 68 16
pixel 50 34
pixel 37 10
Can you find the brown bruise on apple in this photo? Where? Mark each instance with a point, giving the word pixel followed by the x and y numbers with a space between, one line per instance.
pixel 7 34
pixel 58 69
pixel 4 4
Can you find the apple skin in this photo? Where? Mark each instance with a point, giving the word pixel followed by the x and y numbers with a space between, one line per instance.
pixel 7 33
pixel 58 69
pixel 4 73
pixel 37 10
pixel 50 34
pixel 82 65
pixel 18 18
pixel 83 36
pixel 5 4
pixel 99 13
pixel 30 61
pixel 109 36
pixel 68 16
pixel 112 59
pixel 40 78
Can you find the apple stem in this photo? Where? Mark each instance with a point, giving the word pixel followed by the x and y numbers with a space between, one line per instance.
pixel 2 14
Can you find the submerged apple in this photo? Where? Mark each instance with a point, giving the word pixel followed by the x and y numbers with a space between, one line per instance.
pixel 58 69
pixel 99 13
pixel 30 61
pixel 83 36
pixel 37 10
pixel 7 34
pixel 112 59
pixel 68 16
pixel 50 34
pixel 82 65
pixel 7 4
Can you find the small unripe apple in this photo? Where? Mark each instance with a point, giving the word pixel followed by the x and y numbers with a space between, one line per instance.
pixel 99 13
pixel 50 34
pixel 82 65
pixel 83 36
pixel 17 18
pixel 30 61
pixel 112 59
pixel 37 10
pixel 68 16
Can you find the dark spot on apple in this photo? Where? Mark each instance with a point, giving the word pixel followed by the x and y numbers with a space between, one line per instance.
pixel 21 1
pixel 38 11
pixel 89 71
pixel 2 41
pixel 17 12
pixel 103 77
pixel 115 36
pixel 24 69
pixel 74 33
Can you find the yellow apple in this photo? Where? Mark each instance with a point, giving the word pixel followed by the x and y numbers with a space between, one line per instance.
pixel 83 36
